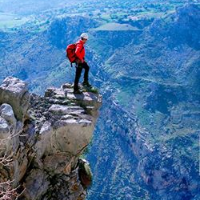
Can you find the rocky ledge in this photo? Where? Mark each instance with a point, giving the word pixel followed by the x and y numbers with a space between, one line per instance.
pixel 42 139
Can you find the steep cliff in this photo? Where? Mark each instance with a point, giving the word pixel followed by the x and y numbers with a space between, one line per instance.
pixel 152 115
pixel 42 139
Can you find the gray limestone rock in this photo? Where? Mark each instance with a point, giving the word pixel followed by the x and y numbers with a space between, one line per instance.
pixel 4 128
pixel 15 92
pixel 71 135
pixel 43 144
pixel 57 162
pixel 45 137
pixel 4 136
pixel 8 129
pixel 36 184
pixel 7 113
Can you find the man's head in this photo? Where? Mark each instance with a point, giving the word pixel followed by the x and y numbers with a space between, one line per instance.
pixel 84 37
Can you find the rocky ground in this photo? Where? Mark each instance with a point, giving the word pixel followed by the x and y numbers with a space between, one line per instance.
pixel 42 139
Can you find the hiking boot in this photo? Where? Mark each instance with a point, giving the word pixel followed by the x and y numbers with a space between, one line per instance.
pixel 77 91
pixel 86 84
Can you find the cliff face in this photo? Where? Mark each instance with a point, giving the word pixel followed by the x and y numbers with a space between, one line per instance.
pixel 153 113
pixel 42 139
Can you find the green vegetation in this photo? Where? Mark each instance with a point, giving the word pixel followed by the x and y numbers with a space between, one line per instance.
pixel 116 27
pixel 129 12
pixel 10 21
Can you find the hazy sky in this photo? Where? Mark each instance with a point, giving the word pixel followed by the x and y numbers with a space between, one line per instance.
pixel 32 6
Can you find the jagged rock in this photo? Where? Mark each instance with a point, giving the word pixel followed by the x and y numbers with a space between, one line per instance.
pixel 43 145
pixel 7 113
pixel 4 134
pixel 56 163
pixel 50 133
pixel 15 92
pixel 8 129
pixel 4 128
pixel 36 184
pixel 71 135
pixel 71 128
pixel 62 110
pixel 86 99
pixel 21 165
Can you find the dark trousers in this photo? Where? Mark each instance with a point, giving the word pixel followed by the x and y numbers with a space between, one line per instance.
pixel 79 68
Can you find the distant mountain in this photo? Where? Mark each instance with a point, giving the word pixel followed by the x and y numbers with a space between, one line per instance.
pixel 28 7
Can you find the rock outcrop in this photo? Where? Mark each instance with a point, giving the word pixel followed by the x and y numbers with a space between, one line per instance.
pixel 42 139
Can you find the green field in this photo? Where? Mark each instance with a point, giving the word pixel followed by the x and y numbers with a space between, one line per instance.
pixel 8 21
pixel 116 27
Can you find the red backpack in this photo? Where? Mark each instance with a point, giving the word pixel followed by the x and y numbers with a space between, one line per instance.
pixel 70 53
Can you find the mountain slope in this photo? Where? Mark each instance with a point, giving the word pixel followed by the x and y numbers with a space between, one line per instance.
pixel 154 79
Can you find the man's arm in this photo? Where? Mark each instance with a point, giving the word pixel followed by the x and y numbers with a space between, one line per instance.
pixel 79 53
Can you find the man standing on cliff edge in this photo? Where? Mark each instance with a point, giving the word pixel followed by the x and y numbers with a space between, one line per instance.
pixel 81 63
